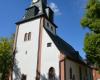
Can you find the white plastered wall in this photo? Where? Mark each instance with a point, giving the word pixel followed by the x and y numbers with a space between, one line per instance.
pixel 75 69
pixel 50 56
pixel 26 56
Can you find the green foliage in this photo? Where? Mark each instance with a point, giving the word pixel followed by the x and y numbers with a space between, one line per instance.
pixel 91 20
pixel 92 47
pixel 5 56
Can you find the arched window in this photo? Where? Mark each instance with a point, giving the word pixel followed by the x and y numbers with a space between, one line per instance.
pixel 23 77
pixel 80 73
pixel 74 77
pixel 29 36
pixel 71 75
pixel 51 73
pixel 25 37
pixel 52 28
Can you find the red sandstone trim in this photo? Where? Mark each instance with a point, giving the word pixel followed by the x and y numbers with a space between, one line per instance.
pixel 38 71
pixel 62 67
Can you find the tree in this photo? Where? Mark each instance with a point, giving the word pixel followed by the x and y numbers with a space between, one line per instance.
pixel 91 20
pixel 5 57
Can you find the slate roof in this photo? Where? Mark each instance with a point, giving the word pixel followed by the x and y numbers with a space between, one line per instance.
pixel 65 48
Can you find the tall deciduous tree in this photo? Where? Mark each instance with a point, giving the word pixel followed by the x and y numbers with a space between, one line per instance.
pixel 91 20
pixel 5 56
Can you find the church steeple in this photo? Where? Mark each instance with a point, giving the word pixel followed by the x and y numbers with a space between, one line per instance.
pixel 37 8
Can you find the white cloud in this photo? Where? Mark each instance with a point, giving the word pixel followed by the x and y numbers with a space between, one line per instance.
pixel 55 8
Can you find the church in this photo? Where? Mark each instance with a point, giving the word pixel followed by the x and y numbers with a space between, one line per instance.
pixel 40 54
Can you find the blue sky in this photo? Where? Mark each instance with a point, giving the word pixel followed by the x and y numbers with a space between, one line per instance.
pixel 68 14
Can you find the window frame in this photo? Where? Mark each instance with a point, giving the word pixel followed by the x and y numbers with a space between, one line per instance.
pixel 49 44
pixel 29 36
pixel 25 36
pixel 71 73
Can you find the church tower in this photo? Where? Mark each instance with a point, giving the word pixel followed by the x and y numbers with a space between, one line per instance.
pixel 38 8
pixel 35 52
pixel 39 53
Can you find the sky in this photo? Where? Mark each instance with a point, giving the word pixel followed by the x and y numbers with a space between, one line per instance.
pixel 68 14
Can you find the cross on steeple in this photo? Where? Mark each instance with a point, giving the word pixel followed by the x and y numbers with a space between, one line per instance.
pixel 43 1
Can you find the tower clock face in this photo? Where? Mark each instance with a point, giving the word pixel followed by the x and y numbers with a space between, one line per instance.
pixel 34 1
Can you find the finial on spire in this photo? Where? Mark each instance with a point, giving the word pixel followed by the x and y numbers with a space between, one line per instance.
pixel 34 1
